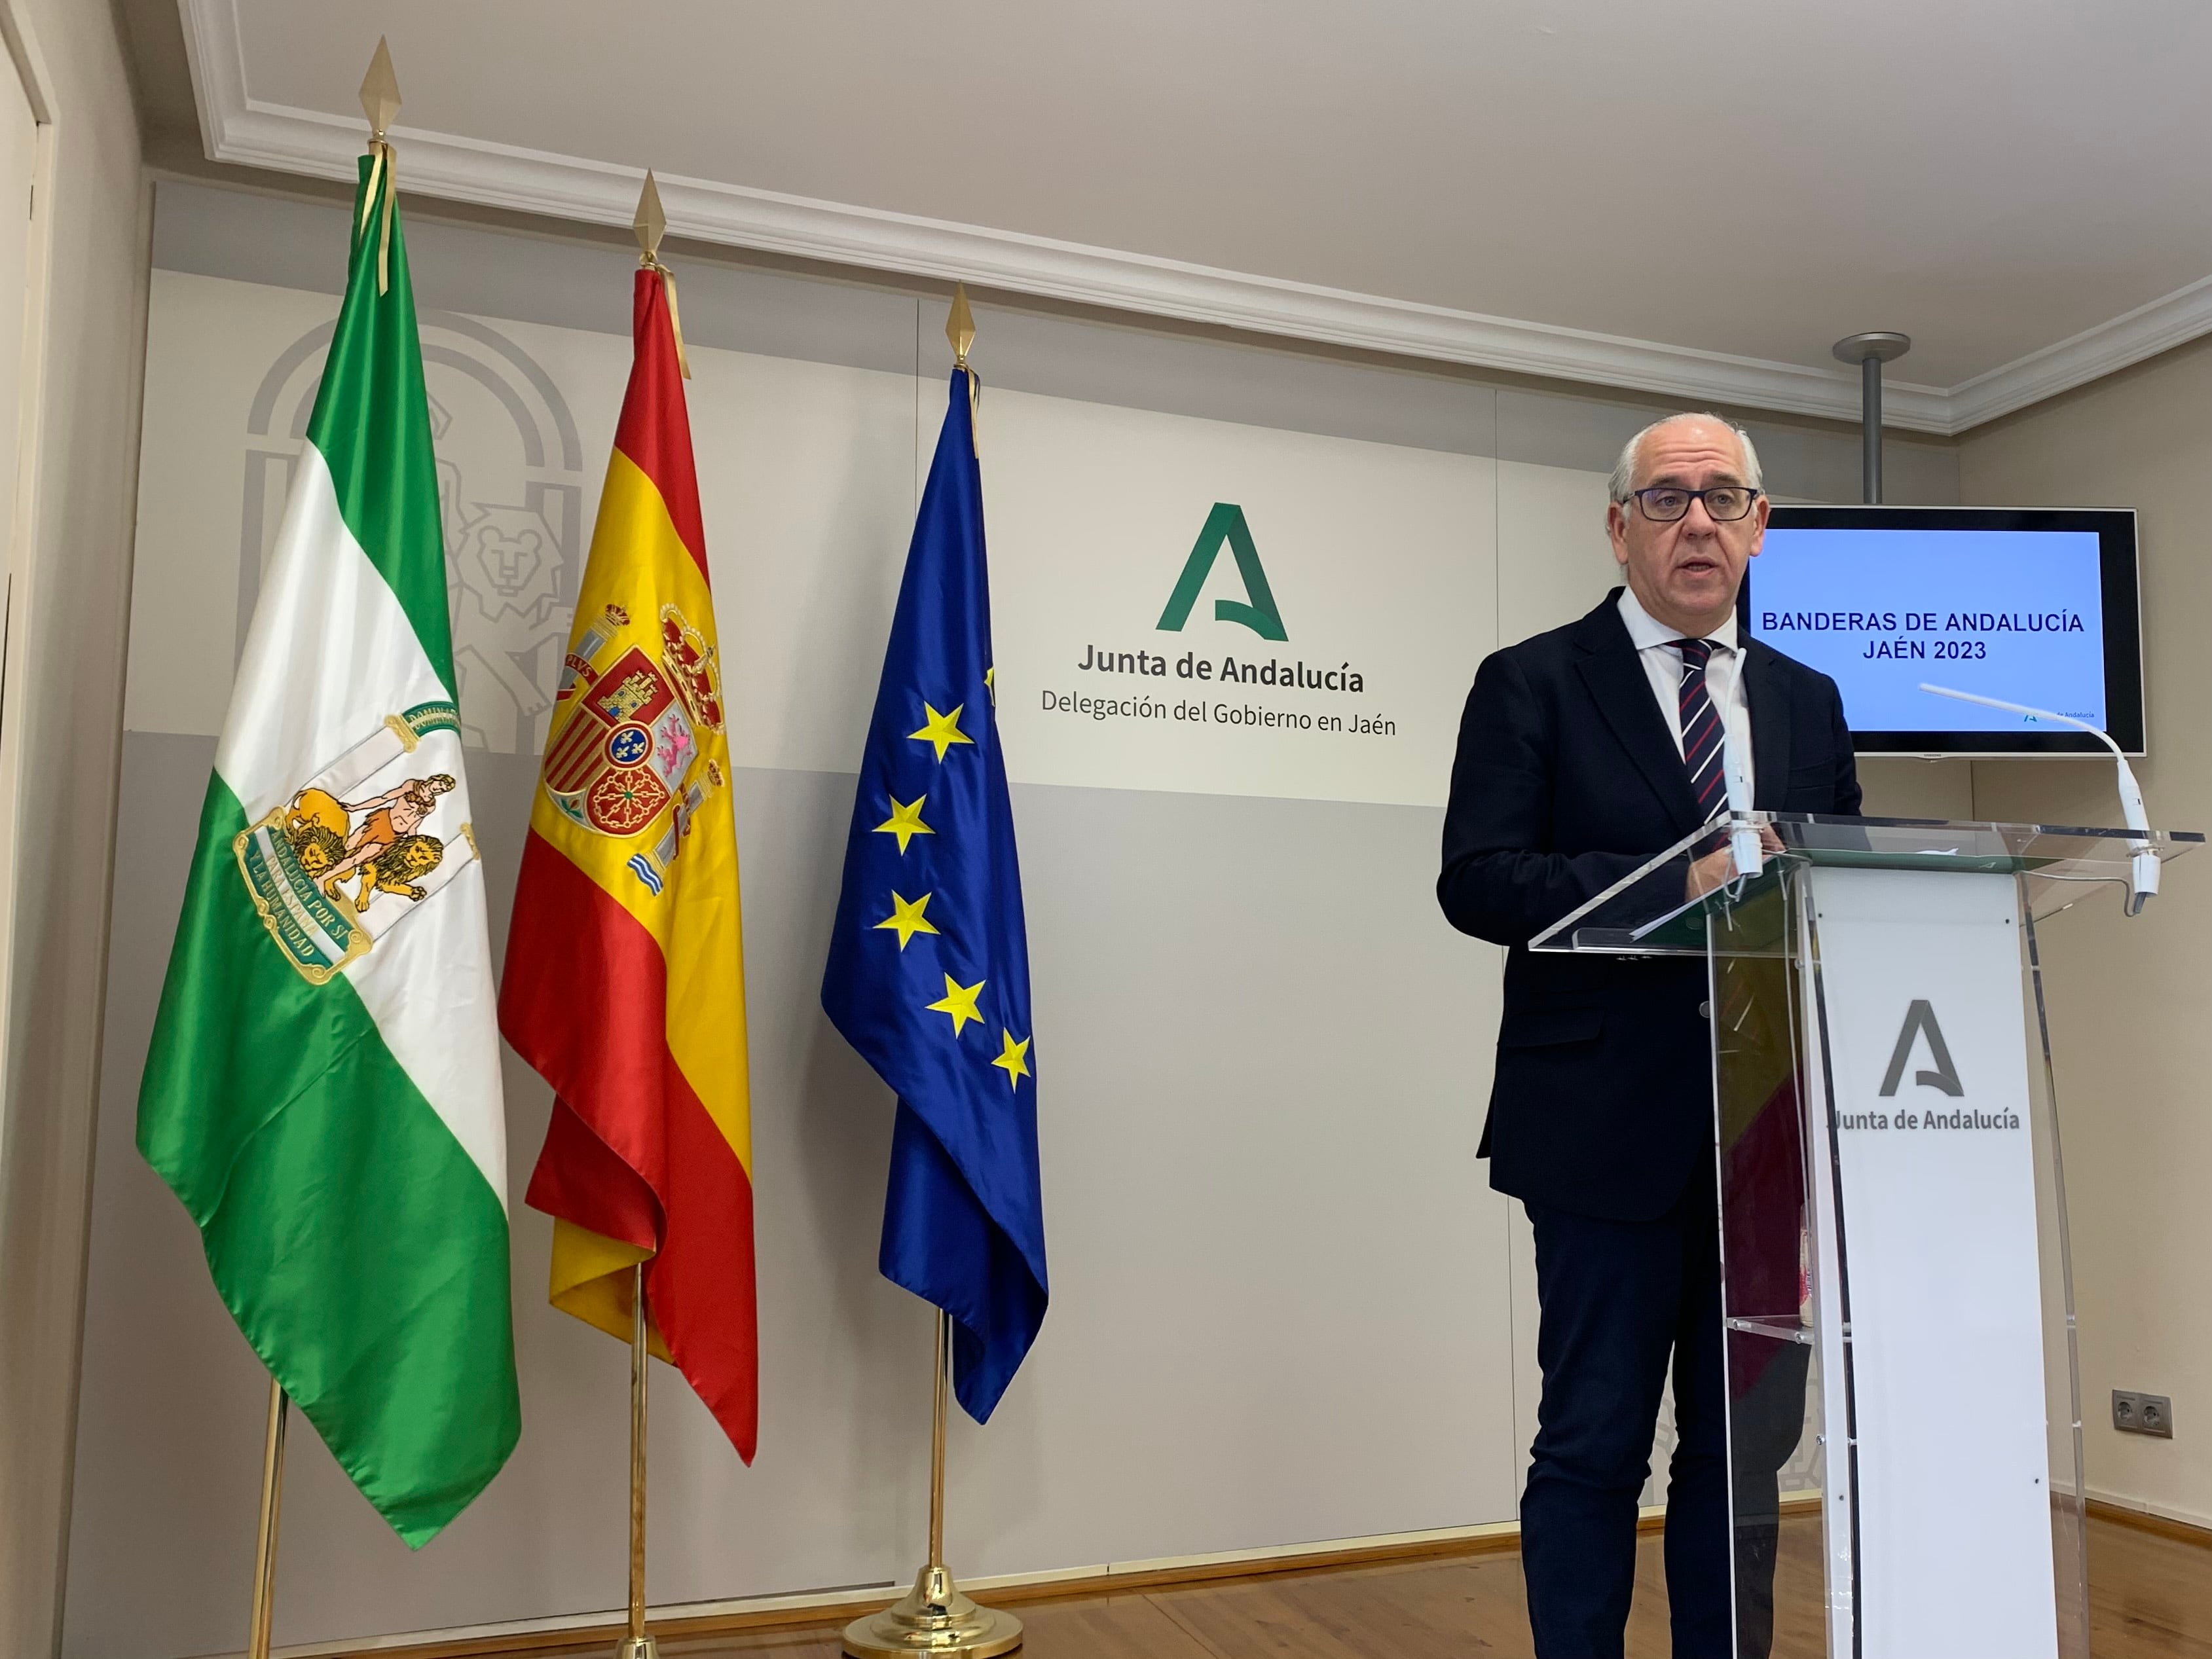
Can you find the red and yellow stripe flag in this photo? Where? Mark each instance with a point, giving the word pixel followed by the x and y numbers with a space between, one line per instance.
pixel 624 985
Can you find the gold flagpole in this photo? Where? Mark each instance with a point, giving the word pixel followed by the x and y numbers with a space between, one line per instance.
pixel 935 1617
pixel 272 1495
pixel 937 1407
pixel 649 225
pixel 637 1644
pixel 379 102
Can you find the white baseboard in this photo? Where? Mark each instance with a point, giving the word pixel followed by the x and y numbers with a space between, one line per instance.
pixel 2187 1517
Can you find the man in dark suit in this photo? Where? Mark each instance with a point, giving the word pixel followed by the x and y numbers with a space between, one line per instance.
pixel 1584 752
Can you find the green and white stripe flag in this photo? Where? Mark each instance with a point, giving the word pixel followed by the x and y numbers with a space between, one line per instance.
pixel 323 1091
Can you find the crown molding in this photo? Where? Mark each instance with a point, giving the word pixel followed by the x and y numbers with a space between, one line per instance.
pixel 2172 320
pixel 238 129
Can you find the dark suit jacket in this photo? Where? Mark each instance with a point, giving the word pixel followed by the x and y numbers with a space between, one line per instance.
pixel 1566 779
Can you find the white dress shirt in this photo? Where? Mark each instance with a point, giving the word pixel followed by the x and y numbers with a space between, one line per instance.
pixel 1663 666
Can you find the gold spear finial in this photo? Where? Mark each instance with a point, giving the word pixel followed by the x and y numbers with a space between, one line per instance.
pixel 379 92
pixel 651 223
pixel 960 327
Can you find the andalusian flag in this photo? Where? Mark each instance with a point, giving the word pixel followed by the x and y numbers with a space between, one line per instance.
pixel 323 1091
pixel 624 984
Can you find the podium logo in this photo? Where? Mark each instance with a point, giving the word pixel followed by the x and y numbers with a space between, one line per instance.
pixel 1919 1022
pixel 1256 610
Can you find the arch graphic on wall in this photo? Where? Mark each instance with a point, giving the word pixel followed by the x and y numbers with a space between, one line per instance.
pixel 514 542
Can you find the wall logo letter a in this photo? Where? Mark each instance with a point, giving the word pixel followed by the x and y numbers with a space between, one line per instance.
pixel 1920 1021
pixel 1225 524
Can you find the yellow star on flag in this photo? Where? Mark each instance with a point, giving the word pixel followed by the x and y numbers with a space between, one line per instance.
pixel 906 919
pixel 959 1001
pixel 942 730
pixel 1010 1061
pixel 905 821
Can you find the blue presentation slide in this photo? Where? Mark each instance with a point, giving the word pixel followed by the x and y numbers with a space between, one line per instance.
pixel 2015 614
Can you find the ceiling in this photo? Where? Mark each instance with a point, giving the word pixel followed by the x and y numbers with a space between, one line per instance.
pixel 1694 198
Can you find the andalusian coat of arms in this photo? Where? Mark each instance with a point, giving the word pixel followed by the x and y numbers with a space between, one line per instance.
pixel 360 844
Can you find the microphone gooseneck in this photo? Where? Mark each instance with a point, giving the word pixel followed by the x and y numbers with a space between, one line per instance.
pixel 2144 866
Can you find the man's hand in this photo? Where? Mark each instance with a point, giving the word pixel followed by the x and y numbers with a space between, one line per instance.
pixel 1718 867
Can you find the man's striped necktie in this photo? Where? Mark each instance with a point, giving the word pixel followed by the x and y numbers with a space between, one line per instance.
pixel 1701 731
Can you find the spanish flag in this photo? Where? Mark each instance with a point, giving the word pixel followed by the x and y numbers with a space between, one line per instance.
pixel 624 985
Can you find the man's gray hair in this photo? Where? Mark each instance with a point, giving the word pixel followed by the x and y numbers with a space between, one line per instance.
pixel 1623 482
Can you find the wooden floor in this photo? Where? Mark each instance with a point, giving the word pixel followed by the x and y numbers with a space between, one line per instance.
pixel 2150 1597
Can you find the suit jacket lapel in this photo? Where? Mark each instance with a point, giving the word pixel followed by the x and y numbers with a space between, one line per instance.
pixel 1614 674
pixel 1767 690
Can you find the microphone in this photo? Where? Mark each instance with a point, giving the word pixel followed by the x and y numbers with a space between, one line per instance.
pixel 2144 865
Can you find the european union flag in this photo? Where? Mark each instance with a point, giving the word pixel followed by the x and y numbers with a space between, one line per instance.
pixel 929 968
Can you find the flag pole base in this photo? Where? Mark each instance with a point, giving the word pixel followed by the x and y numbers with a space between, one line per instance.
pixel 934 1617
pixel 637 1647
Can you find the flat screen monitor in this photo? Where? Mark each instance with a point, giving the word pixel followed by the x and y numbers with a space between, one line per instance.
pixel 2033 605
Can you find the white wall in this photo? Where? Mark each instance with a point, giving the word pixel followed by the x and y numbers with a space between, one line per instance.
pixel 1286 1306
pixel 2130 1032
pixel 65 692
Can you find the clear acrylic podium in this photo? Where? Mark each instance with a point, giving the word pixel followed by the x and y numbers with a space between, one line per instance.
pixel 1895 1282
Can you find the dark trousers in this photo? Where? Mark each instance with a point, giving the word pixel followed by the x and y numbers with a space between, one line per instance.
pixel 1620 1299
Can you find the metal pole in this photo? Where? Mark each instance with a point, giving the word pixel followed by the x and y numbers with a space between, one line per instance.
pixel 937 1440
pixel 272 1495
pixel 637 1357
pixel 1870 429
pixel 1870 352
pixel 936 1617
pixel 636 1644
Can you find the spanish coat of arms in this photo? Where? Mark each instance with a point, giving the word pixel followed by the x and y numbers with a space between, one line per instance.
pixel 625 746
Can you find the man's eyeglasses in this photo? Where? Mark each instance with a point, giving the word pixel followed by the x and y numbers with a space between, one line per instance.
pixel 1724 503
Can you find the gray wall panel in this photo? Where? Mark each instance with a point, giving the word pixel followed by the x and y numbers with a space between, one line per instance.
pixel 1279 1280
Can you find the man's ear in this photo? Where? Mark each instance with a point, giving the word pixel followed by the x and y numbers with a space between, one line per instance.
pixel 1616 530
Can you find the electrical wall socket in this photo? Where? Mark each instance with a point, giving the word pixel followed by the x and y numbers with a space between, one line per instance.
pixel 2143 1413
